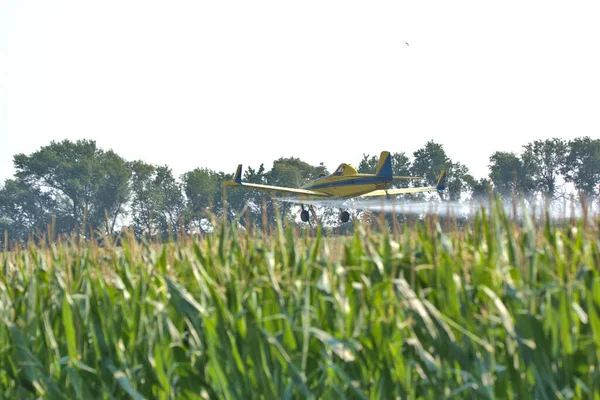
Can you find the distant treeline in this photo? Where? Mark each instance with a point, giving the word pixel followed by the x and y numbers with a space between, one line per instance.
pixel 77 187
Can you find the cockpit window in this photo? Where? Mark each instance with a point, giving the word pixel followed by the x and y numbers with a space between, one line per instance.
pixel 339 170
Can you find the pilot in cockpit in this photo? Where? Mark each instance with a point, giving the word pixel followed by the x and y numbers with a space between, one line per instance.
pixel 340 170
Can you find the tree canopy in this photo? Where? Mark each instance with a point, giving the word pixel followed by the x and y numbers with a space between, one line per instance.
pixel 582 165
pixel 77 187
pixel 87 182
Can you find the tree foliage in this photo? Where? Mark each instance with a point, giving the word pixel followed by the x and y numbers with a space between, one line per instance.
pixel 510 175
pixel 91 182
pixel 368 164
pixel 24 210
pixel 145 203
pixel 80 187
pixel 202 188
pixel 582 166
pixel 545 159
pixel 158 206
pixel 401 166
pixel 480 189
pixel 430 160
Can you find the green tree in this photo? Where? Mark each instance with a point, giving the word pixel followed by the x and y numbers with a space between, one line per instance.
pixel 113 191
pixel 157 201
pixel 545 159
pixel 255 175
pixel 480 189
pixel 458 180
pixel 509 174
pixel 582 165
pixel 202 187
pixel 92 182
pixel 144 199
pixel 172 202
pixel 401 166
pixel 291 171
pixel 24 210
pixel 430 160
pixel 368 164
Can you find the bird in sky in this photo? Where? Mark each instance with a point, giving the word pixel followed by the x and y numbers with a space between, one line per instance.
pixel 406 43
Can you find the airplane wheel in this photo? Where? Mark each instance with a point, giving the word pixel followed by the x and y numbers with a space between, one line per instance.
pixel 344 216
pixel 304 216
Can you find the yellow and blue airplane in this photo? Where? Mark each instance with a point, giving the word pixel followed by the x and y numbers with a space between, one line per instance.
pixel 345 183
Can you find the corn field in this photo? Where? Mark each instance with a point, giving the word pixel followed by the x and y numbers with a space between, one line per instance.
pixel 495 309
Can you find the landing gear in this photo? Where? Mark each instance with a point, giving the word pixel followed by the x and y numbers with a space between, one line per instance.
pixel 304 214
pixel 344 216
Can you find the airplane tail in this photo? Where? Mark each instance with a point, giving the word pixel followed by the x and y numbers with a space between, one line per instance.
pixel 237 178
pixel 441 183
pixel 385 165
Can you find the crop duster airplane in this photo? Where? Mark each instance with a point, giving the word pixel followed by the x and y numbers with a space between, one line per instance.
pixel 344 183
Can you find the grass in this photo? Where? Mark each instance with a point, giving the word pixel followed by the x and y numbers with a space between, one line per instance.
pixel 496 310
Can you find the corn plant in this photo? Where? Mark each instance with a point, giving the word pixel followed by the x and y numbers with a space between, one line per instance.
pixel 497 309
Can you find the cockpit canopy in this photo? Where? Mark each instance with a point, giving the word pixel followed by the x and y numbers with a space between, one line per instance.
pixel 345 170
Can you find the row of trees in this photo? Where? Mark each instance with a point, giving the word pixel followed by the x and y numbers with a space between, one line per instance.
pixel 79 187
pixel 545 166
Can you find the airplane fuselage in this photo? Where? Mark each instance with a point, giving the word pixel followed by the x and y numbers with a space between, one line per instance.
pixel 348 186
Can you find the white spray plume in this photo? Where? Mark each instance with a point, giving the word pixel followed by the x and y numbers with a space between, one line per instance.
pixel 443 208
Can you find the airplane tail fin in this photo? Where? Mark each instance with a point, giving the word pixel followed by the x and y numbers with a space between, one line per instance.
pixel 237 178
pixel 385 165
pixel 441 183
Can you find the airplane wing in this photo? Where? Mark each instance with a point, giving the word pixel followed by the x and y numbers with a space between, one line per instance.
pixel 237 181
pixel 400 191
pixel 441 185
pixel 278 189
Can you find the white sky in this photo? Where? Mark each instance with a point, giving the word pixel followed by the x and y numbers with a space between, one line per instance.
pixel 216 83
